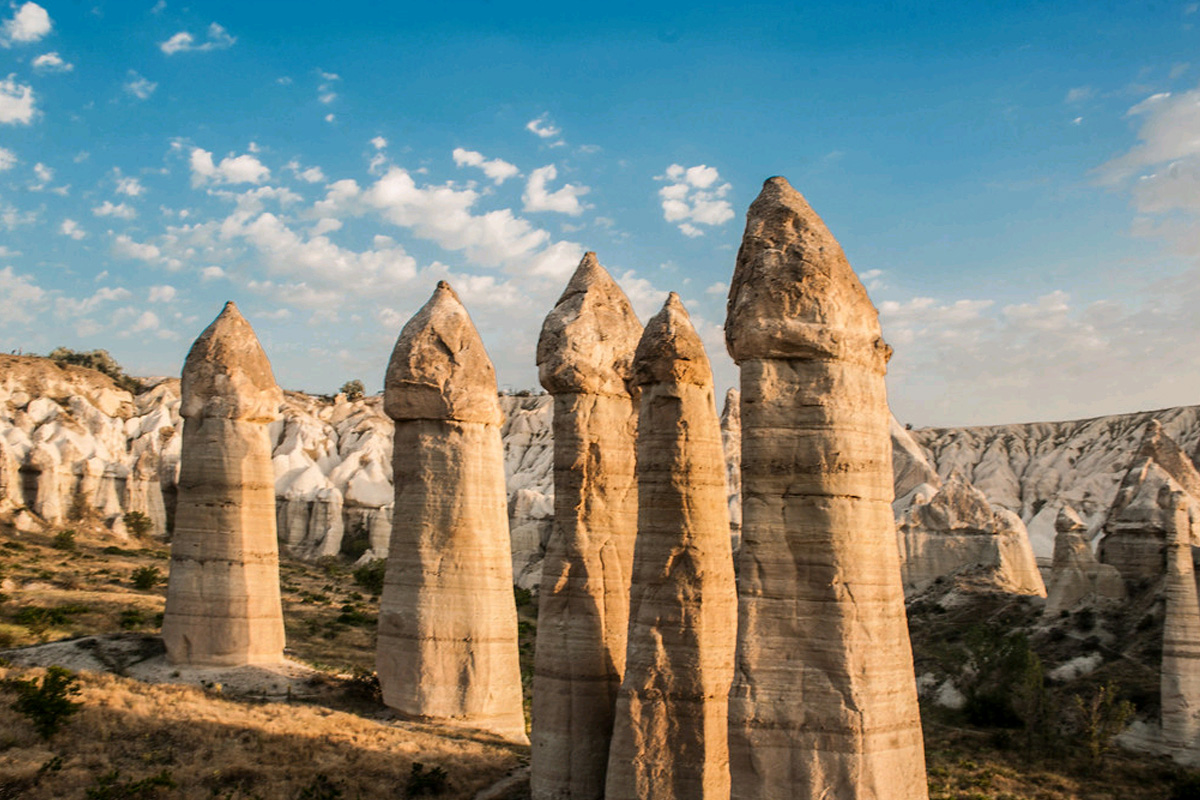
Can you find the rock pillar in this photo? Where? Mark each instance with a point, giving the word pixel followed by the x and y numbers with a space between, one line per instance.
pixel 584 358
pixel 669 738
pixel 1181 638
pixel 223 606
pixel 824 701
pixel 447 648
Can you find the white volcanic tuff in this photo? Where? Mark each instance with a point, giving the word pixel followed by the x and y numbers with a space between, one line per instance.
pixel 1035 468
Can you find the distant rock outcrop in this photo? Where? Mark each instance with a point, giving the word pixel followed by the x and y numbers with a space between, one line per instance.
pixel 1076 574
pixel 824 701
pixel 223 605
pixel 447 645
pixel 1181 638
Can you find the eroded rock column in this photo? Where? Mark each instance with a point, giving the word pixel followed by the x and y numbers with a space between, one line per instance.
pixel 824 701
pixel 447 649
pixel 223 604
pixel 669 738
pixel 584 360
pixel 1181 637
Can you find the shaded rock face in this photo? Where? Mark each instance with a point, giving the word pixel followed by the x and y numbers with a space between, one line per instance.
pixel 670 739
pixel 824 701
pixel 959 530
pixel 223 605
pixel 731 443
pixel 1181 639
pixel 447 647
pixel 1076 575
pixel 584 359
pixel 1135 531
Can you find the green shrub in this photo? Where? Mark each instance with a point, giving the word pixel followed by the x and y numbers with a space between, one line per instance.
pixel 109 786
pixel 320 789
pixel 370 575
pixel 1004 686
pixel 100 361
pixel 47 705
pixel 426 781
pixel 354 390
pixel 523 597
pixel 1101 717
pixel 353 616
pixel 39 619
pixel 145 578
pixel 138 523
pixel 64 540
pixel 131 618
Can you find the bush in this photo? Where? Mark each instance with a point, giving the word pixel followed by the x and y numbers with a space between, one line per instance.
pixel 1101 717
pixel 523 597
pixel 131 618
pixel 98 360
pixel 320 789
pixel 109 786
pixel 1004 686
pixel 64 540
pixel 145 578
pixel 138 523
pixel 38 619
pixel 47 705
pixel 422 781
pixel 370 576
pixel 354 390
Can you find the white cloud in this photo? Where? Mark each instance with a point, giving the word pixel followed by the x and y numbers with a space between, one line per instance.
pixel 120 210
pixel 1079 94
pixel 564 200
pixel 70 227
pixel 542 127
pixel 231 170
pixel 1170 132
pixel 52 62
pixel 8 159
pixel 212 273
pixel 129 186
pixel 183 42
pixel 162 294
pixel 330 117
pixel 29 24
pixel 379 142
pixel 308 175
pixel 694 196
pixel 146 321
pixel 138 86
pixel 497 169
pixel 43 173
pixel 16 102
pixel 325 92
pixel 125 247
pixel 20 297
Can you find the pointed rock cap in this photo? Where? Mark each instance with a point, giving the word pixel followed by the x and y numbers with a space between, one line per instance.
pixel 588 339
pixel 670 351
pixel 227 375
pixel 1069 521
pixel 1160 448
pixel 793 293
pixel 439 369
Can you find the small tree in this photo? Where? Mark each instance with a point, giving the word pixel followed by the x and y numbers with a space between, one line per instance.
pixel 47 705
pixel 146 578
pixel 1101 717
pixel 138 523
pixel 354 390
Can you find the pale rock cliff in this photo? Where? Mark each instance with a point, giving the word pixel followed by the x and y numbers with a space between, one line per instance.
pixel 1076 574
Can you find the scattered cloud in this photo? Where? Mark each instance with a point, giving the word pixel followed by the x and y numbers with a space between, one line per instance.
pixel 70 227
pixel 564 200
pixel 379 142
pixel 325 91
pixel 52 62
pixel 1079 94
pixel 120 210
pixel 16 102
pixel 129 186
pixel 29 24
pixel 212 273
pixel 125 247
pixel 43 173
pixel 306 174
pixel 20 297
pixel 498 170
pixel 8 159
pixel 216 38
pixel 694 196
pixel 162 294
pixel 543 128
pixel 231 170
pixel 138 86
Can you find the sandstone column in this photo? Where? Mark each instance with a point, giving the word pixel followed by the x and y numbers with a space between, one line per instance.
pixel 447 648
pixel 223 605
pixel 669 737
pixel 584 359
pixel 824 701
pixel 1181 636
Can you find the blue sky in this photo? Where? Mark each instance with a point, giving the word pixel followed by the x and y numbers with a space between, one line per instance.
pixel 1018 186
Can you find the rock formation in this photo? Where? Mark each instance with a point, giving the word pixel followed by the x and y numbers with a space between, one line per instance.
pixel 223 605
pixel 731 443
pixel 48 501
pixel 1076 575
pixel 584 359
pixel 1135 531
pixel 447 648
pixel 670 738
pixel 824 701
pixel 11 495
pixel 1181 639
pixel 959 530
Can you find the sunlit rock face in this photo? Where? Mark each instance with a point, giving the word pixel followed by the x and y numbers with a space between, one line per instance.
pixel 1181 638
pixel 1076 576
pixel 584 359
pixel 824 701
pixel 223 605
pixel 956 530
pixel 670 733
pixel 447 648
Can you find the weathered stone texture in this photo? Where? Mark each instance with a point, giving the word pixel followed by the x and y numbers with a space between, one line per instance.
pixel 824 701
pixel 1075 574
pixel 447 648
pixel 670 735
pixel 584 359
pixel 223 605
pixel 1181 639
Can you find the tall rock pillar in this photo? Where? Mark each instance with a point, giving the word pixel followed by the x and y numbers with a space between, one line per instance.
pixel 670 739
pixel 824 701
pixel 223 604
pixel 447 649
pixel 584 360
pixel 1181 638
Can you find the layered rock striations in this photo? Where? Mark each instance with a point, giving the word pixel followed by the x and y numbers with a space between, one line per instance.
pixel 670 739
pixel 447 646
pixel 584 359
pixel 824 701
pixel 223 605
pixel 1181 639
pixel 957 530
pixel 1075 575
